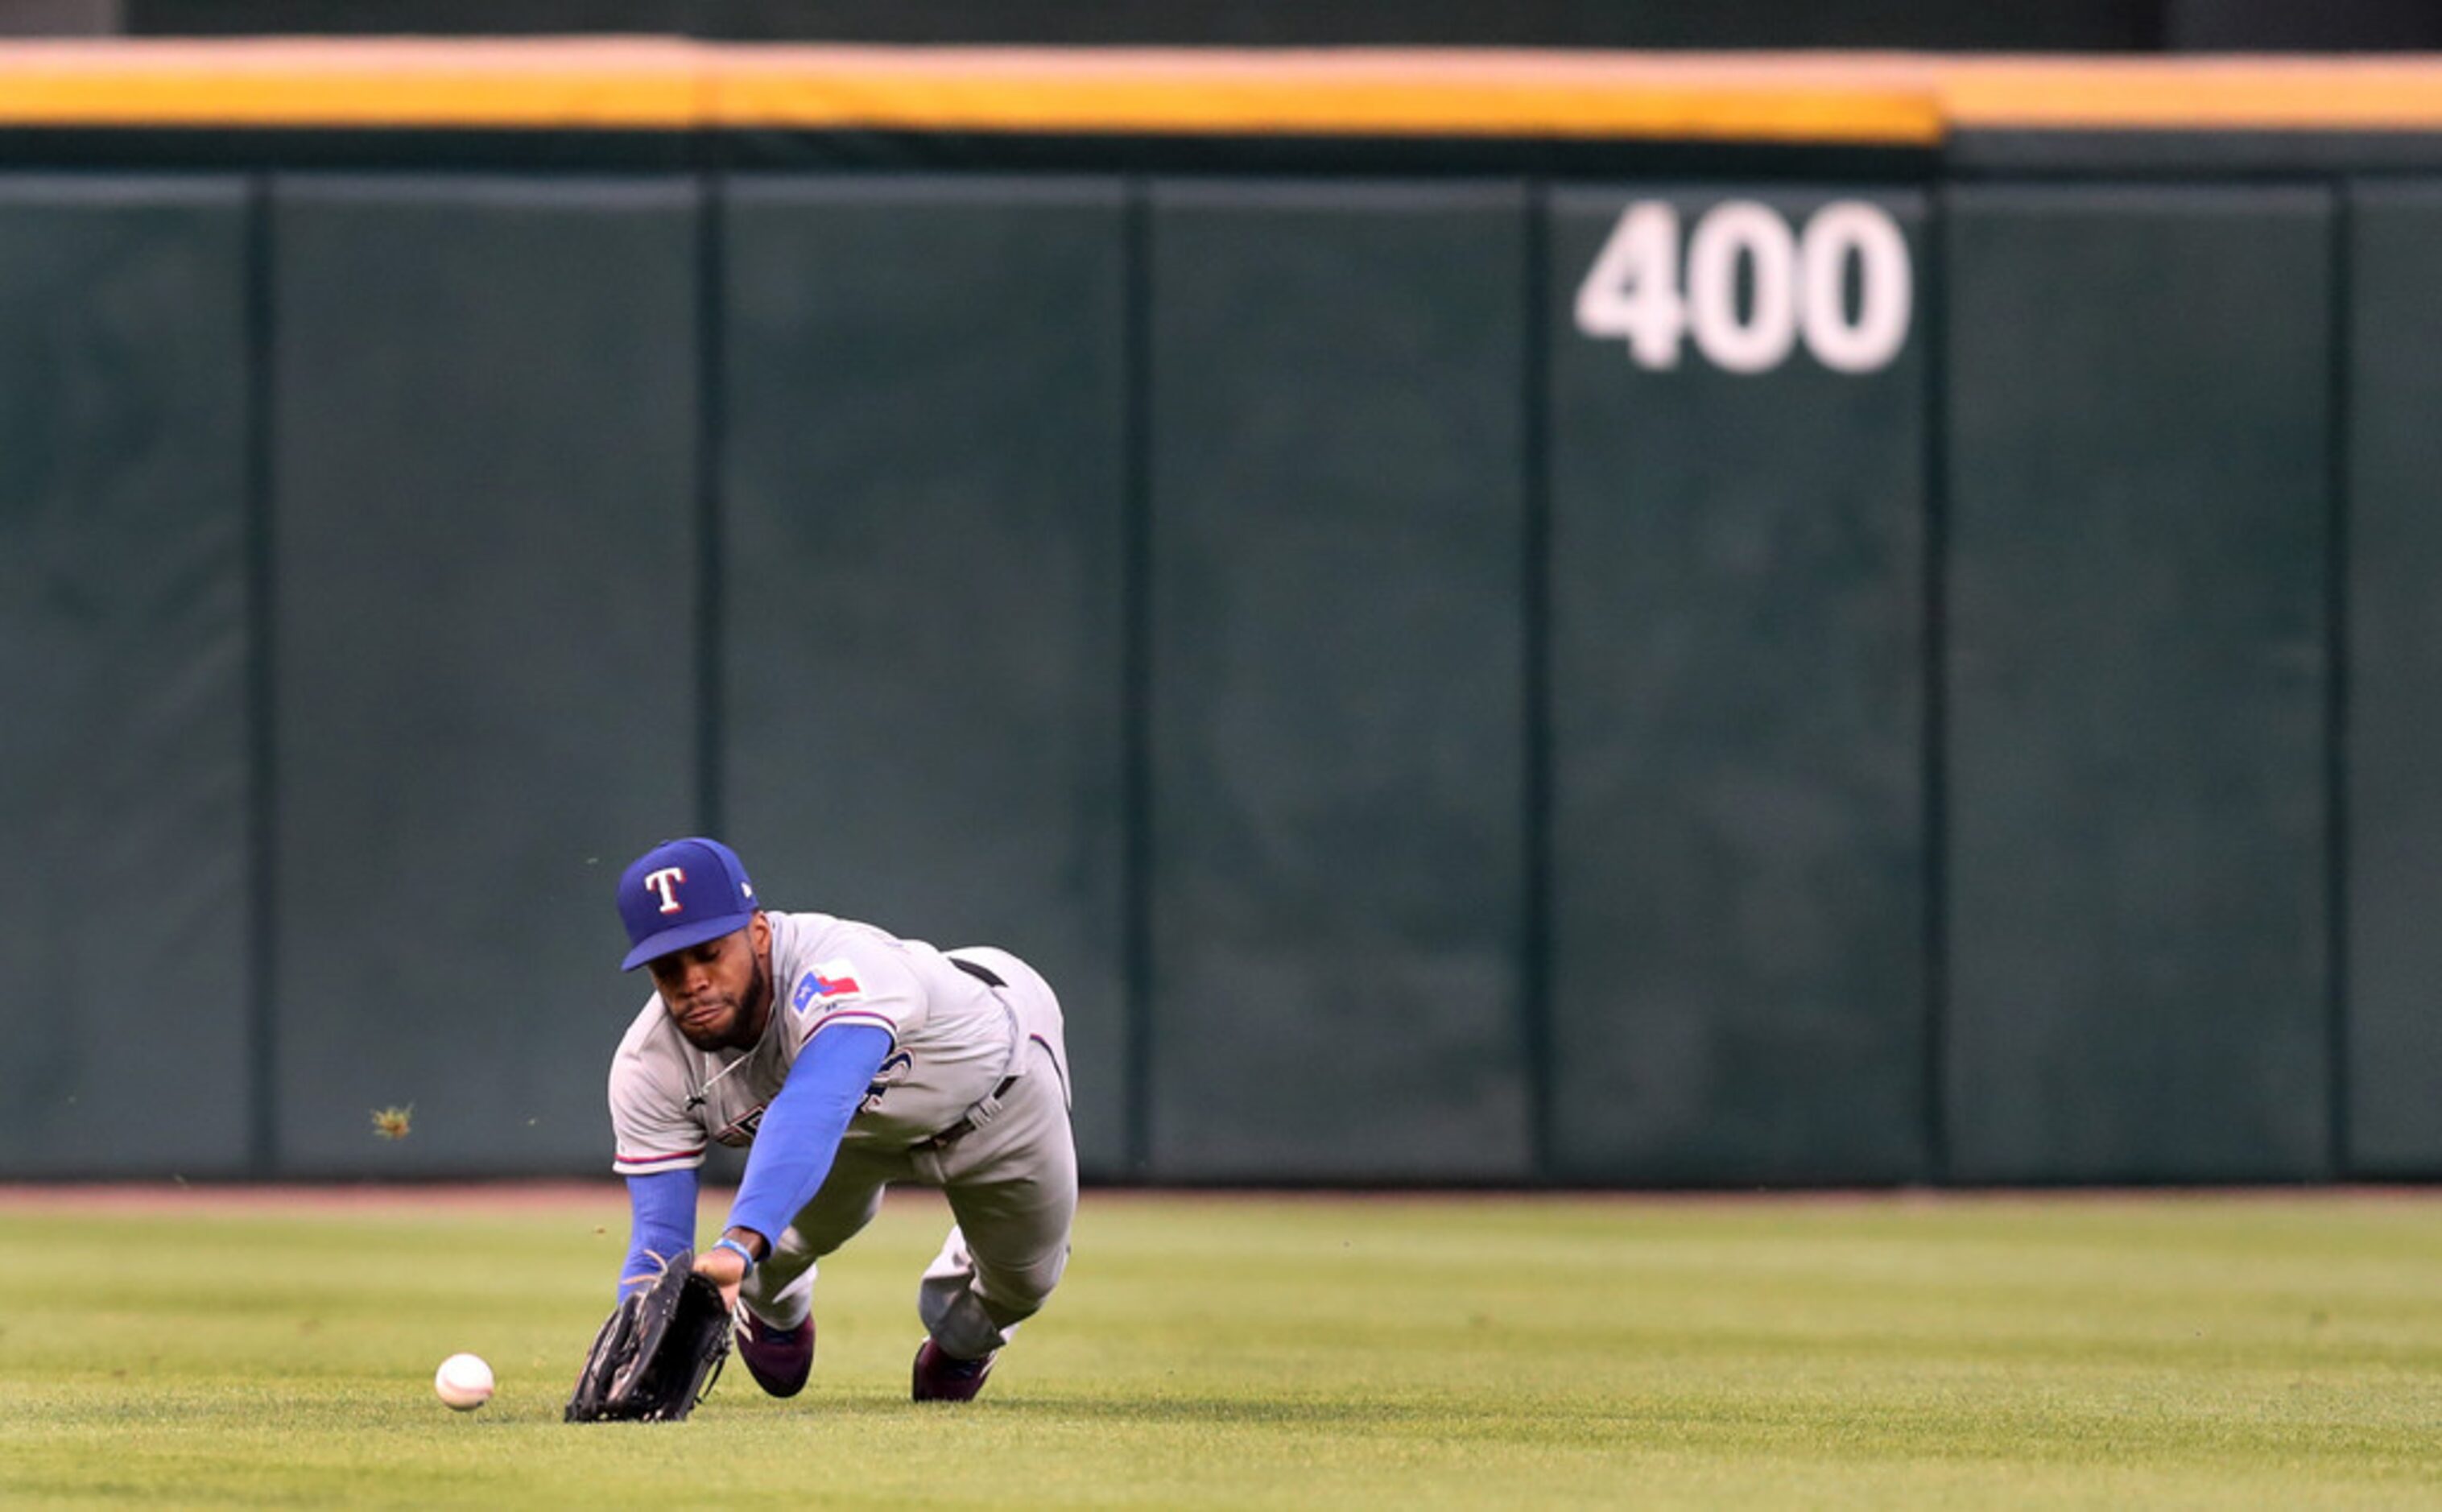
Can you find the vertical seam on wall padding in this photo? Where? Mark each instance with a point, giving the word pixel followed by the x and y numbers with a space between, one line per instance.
pixel 1936 589
pixel 263 938
pixel 1535 913
pixel 1136 673
pixel 710 310
pixel 2336 685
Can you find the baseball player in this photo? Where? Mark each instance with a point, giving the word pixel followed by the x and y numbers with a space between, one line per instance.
pixel 845 1058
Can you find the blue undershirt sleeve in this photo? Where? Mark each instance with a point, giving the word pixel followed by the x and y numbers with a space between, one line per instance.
pixel 661 1222
pixel 800 1132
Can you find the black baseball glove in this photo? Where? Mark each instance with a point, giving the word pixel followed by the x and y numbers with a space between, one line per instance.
pixel 658 1352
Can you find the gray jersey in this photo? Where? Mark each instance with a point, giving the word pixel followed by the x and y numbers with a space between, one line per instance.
pixel 953 1040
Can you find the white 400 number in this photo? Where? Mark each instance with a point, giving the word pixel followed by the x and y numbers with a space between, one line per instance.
pixel 1796 285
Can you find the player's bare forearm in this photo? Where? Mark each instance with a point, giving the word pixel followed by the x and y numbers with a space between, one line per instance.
pixel 724 1265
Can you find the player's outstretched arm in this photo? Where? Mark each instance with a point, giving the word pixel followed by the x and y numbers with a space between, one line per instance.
pixel 661 1222
pixel 796 1142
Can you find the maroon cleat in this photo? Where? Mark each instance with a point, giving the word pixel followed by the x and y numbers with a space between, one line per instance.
pixel 941 1379
pixel 779 1361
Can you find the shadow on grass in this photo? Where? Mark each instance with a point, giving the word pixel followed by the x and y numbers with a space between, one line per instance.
pixel 1218 1410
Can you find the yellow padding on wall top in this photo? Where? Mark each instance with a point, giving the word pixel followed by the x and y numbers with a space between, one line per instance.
pixel 647 84
pixel 1351 92
pixel 2201 94
pixel 633 84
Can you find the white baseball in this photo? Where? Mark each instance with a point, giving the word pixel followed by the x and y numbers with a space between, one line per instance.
pixel 464 1381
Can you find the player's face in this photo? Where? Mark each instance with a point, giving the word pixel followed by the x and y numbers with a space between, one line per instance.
pixel 718 992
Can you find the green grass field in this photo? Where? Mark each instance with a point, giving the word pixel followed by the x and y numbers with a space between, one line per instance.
pixel 221 1350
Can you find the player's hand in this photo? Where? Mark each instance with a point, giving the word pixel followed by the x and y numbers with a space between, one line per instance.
pixel 724 1268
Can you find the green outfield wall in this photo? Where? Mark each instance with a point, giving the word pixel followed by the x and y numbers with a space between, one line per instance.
pixel 1636 661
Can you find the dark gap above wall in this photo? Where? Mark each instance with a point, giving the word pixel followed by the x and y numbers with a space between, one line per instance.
pixel 2067 26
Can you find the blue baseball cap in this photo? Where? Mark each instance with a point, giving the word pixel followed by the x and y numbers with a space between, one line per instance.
pixel 682 893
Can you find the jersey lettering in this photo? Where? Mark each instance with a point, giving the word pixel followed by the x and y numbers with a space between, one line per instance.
pixel 890 1074
pixel 742 1132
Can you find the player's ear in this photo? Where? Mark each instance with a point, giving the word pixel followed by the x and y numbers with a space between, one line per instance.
pixel 759 932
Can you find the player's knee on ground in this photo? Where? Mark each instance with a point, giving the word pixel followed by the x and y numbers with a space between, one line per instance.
pixel 1011 1294
pixel 974 1313
pixel 971 1306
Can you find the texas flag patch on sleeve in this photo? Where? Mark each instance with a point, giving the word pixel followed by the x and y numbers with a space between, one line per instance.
pixel 829 983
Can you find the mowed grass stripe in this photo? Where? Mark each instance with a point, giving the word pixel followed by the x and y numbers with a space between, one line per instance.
pixel 1239 1351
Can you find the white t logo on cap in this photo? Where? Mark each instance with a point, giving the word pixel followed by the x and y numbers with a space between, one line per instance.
pixel 661 882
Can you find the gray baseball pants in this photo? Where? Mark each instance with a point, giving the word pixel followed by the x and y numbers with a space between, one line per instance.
pixel 1011 1185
